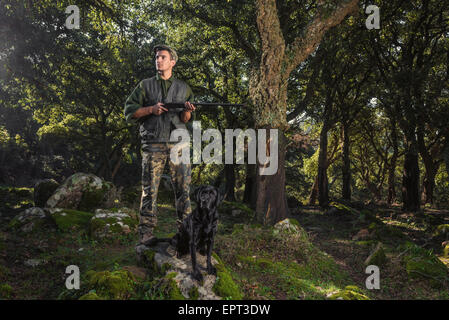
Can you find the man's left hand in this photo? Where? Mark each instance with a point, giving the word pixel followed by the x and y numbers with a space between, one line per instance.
pixel 189 107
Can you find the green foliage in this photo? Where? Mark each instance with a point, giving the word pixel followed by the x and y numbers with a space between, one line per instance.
pixel 68 219
pixel 116 285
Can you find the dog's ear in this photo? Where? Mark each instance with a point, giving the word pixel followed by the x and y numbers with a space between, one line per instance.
pixel 197 193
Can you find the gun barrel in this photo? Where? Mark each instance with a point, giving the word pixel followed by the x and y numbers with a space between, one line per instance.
pixel 176 106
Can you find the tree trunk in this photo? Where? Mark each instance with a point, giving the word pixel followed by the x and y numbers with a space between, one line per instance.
pixel 346 170
pixel 323 194
pixel 392 168
pixel 314 192
pixel 230 182
pixel 271 202
pixel 249 196
pixel 410 178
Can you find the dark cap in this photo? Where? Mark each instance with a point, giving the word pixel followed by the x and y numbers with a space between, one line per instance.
pixel 168 48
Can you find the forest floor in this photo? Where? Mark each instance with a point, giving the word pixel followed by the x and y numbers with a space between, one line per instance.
pixel 323 259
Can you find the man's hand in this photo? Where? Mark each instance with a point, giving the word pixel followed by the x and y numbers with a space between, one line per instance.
pixel 185 115
pixel 158 109
pixel 189 107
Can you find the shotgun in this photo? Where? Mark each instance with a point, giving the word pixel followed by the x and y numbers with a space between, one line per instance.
pixel 176 107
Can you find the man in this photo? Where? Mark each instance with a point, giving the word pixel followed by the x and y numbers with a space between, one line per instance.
pixel 146 106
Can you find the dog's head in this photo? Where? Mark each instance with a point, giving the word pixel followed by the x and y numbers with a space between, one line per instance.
pixel 207 197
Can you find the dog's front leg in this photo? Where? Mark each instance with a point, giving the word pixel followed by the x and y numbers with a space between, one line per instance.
pixel 196 271
pixel 210 243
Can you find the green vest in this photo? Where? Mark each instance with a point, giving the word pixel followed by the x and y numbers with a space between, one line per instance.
pixel 157 128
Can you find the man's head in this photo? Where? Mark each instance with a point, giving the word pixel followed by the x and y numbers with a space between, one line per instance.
pixel 166 58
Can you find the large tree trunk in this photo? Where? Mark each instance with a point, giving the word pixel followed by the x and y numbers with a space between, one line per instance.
pixel 250 186
pixel 392 168
pixel 323 193
pixel 268 89
pixel 346 170
pixel 314 192
pixel 271 202
pixel 410 178
pixel 230 181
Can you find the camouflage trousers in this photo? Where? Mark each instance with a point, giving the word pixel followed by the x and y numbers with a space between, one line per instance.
pixel 154 159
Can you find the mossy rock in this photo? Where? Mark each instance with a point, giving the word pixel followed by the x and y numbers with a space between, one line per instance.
pixel 228 206
pixel 169 288
pixel 91 296
pixel 441 231
pixel 341 207
pixel 422 264
pixel 349 293
pixel 377 257
pixel 43 190
pixel 28 220
pixel 116 285
pixel 6 291
pixel 81 191
pixel 106 224
pixel 225 286
pixel 68 220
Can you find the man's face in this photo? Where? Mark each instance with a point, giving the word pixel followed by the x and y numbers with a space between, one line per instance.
pixel 164 61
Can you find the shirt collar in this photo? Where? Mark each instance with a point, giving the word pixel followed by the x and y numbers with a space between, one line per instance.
pixel 158 77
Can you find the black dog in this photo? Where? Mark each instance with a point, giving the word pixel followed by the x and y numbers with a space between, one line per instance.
pixel 197 231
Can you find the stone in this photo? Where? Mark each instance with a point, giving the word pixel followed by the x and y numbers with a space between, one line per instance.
pixel 34 262
pixel 81 191
pixel 363 234
pixel 377 257
pixel 175 274
pixel 108 224
pixel 27 220
pixel 287 226
pixel 43 189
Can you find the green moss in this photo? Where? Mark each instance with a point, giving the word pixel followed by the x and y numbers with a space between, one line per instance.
pixel 341 207
pixel 237 227
pixel 295 222
pixel 349 293
pixel 90 296
pixel 424 265
pixel 92 198
pixel 170 289
pixel 225 286
pixel 193 293
pixel 68 219
pixel 441 231
pixel 6 291
pixel 119 284
pixel 378 257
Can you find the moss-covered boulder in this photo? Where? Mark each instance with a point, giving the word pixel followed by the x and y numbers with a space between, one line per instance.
pixel 422 264
pixel 6 291
pixel 349 293
pixel 81 191
pixel 43 189
pixel 441 231
pixel 107 224
pixel 287 226
pixel 28 220
pixel 377 257
pixel 110 285
pixel 71 220
pixel 224 285
pixel 170 272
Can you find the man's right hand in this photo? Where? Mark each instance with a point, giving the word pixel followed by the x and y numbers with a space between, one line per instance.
pixel 158 109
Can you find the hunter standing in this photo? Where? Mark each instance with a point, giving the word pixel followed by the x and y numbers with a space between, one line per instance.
pixel 146 106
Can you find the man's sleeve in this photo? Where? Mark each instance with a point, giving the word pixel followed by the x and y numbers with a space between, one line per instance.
pixel 190 97
pixel 134 102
